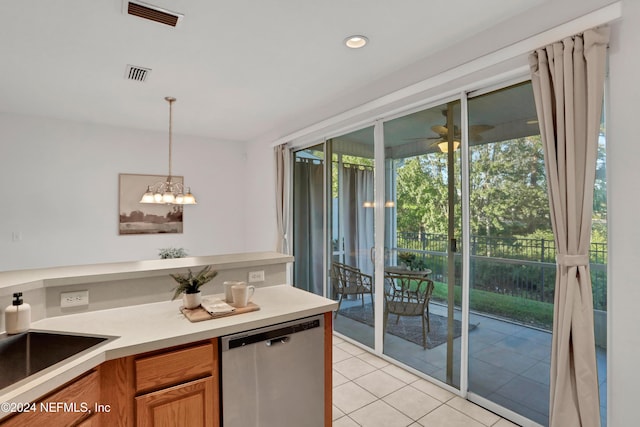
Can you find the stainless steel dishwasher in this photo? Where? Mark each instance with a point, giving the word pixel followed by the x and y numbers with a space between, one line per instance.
pixel 274 376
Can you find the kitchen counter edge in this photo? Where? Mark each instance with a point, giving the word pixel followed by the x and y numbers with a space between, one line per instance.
pixel 155 326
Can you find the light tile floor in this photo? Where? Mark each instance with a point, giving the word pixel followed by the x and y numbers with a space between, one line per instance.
pixel 370 392
pixel 508 363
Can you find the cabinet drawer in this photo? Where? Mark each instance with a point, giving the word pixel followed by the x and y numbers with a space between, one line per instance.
pixel 161 370
pixel 65 407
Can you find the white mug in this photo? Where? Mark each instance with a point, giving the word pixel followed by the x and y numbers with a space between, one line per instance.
pixel 228 295
pixel 242 294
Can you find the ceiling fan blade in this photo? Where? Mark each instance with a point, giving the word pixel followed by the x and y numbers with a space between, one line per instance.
pixel 440 130
pixel 479 128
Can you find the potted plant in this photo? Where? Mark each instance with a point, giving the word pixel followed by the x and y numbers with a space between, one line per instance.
pixel 168 253
pixel 189 286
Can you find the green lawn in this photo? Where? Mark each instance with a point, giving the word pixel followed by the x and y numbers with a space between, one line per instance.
pixel 522 310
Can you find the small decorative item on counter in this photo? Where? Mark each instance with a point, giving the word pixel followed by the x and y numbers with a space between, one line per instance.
pixel 189 286
pixel 167 253
pixel 17 316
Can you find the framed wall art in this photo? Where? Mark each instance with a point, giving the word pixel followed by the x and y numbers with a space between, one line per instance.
pixel 146 218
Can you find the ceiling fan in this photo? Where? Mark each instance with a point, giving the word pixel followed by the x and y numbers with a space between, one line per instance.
pixel 441 141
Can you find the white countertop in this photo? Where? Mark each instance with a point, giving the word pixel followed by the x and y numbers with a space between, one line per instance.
pixel 148 327
pixel 24 280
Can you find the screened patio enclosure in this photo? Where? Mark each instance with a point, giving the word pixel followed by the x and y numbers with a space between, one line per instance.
pixel 456 192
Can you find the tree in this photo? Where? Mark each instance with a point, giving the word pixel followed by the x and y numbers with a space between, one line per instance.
pixel 422 194
pixel 508 194
pixel 507 190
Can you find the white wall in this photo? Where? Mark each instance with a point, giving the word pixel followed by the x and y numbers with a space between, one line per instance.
pixel 623 167
pixel 261 234
pixel 61 183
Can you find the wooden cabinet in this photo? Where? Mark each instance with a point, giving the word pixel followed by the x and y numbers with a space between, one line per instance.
pixel 183 381
pixel 189 404
pixel 171 387
pixel 174 367
pixel 178 386
pixel 71 405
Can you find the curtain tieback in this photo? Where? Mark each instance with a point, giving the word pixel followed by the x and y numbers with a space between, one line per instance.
pixel 572 260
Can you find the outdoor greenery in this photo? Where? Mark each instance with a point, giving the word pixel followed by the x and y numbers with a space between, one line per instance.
pixel 509 219
pixel 508 191
pixel 168 253
pixel 522 310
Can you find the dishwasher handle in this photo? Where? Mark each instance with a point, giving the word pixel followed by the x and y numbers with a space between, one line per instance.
pixel 281 340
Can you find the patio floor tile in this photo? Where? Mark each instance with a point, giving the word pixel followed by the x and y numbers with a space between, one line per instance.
pixel 538 373
pixel 530 393
pixel 505 358
pixel 485 378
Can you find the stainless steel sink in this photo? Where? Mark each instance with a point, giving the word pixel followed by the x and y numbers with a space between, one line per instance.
pixel 32 352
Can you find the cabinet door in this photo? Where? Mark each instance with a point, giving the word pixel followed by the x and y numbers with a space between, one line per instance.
pixel 65 407
pixel 188 405
pixel 92 421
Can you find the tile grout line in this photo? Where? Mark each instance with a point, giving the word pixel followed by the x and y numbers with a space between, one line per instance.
pixel 381 398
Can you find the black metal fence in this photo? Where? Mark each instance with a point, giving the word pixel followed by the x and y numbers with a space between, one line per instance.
pixel 506 265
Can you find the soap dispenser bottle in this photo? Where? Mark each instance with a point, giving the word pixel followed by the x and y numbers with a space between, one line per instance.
pixel 17 316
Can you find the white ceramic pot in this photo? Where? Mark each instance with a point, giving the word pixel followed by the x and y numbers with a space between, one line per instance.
pixel 192 300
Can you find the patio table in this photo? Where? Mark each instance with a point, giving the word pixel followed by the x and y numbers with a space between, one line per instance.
pixel 405 272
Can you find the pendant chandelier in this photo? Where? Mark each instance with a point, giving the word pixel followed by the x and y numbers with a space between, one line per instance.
pixel 169 192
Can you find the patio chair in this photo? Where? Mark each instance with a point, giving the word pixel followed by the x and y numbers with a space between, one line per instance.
pixel 408 295
pixel 350 281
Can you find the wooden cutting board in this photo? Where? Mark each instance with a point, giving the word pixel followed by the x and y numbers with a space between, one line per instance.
pixel 199 314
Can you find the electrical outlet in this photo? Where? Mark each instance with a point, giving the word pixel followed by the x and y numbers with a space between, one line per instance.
pixel 74 299
pixel 256 276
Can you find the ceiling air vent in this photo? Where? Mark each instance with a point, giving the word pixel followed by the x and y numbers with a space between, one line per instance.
pixel 136 73
pixel 153 13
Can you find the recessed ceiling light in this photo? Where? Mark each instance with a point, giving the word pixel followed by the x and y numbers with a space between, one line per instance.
pixel 532 122
pixel 356 42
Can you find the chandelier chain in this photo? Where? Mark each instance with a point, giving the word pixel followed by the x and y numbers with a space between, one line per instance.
pixel 170 100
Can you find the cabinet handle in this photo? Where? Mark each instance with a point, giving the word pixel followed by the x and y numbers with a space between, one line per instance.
pixel 275 341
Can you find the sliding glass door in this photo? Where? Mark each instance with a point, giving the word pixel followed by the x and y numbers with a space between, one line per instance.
pixel 378 226
pixel 422 287
pixel 512 257
pixel 351 226
pixel 309 218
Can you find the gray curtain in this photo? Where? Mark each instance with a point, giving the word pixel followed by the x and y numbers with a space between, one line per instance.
pixel 282 160
pixel 357 219
pixel 308 221
pixel 568 84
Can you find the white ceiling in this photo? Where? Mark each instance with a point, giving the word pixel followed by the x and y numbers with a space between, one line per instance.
pixel 241 70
